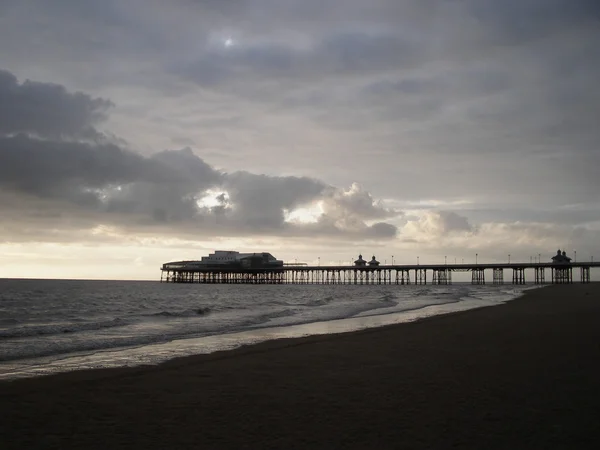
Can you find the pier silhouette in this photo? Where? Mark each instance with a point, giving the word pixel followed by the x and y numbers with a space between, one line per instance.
pixel 373 273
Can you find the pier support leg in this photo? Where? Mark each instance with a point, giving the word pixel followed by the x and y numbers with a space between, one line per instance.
pixel 562 275
pixel 498 275
pixel 540 275
pixel 478 276
pixel 519 275
pixel 585 274
pixel 442 276
pixel 402 276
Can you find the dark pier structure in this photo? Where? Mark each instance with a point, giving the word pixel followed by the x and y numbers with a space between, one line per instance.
pixel 369 273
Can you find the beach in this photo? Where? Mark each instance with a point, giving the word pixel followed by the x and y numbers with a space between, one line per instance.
pixel 523 374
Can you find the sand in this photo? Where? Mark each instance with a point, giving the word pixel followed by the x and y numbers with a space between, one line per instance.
pixel 520 375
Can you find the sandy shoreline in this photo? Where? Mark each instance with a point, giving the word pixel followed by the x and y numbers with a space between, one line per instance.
pixel 519 375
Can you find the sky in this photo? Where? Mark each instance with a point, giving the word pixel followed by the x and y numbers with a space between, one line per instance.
pixel 137 132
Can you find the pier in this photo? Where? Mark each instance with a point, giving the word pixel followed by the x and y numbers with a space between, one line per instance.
pixel 420 274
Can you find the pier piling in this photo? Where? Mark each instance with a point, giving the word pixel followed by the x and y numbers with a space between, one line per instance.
pixel 379 275
pixel 519 275
pixel 498 275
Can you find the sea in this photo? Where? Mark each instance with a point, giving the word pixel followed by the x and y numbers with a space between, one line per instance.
pixel 51 326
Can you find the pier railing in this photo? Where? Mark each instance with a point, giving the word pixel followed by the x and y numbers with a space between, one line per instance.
pixel 376 275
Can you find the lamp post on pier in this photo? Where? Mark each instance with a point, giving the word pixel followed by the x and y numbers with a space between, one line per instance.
pixel 319 260
pixel 417 260
pixel 509 258
pixel 476 258
pixel 392 260
pixel 445 261
pixel 575 253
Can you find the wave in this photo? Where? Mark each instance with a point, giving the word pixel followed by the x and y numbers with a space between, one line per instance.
pixel 320 301
pixel 407 309
pixel 322 310
pixel 9 321
pixel 389 298
pixel 186 313
pixel 63 348
pixel 59 328
pixel 269 316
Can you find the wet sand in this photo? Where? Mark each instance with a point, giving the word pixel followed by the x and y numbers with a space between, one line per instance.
pixel 525 374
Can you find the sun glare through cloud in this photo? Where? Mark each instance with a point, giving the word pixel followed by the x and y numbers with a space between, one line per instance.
pixel 307 214
pixel 213 198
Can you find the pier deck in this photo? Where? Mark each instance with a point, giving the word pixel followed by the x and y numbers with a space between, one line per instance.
pixel 377 275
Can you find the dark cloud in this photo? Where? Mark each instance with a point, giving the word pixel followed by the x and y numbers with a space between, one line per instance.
pixel 450 221
pixel 44 167
pixel 123 187
pixel 192 169
pixel 47 110
pixel 117 185
pixel 330 227
pixel 513 21
pixel 382 230
pixel 259 200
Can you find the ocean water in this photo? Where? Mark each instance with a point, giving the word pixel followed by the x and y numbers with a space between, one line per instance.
pixel 49 326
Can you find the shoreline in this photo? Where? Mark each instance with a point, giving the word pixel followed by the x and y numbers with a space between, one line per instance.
pixel 162 352
pixel 520 375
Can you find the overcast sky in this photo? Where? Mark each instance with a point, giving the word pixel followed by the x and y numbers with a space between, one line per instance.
pixel 136 132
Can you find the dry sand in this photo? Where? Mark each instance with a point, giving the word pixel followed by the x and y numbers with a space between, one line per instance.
pixel 520 375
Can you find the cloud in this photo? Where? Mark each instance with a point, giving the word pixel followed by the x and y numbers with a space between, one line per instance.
pixel 343 54
pixel 47 110
pixel 109 183
pixel 514 21
pixel 382 230
pixel 356 201
pixel 48 167
pixel 259 200
pixel 436 225
pixel 192 169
